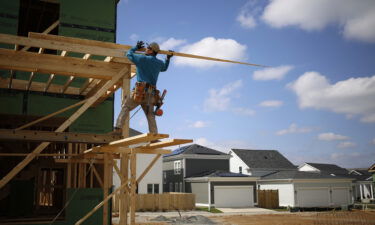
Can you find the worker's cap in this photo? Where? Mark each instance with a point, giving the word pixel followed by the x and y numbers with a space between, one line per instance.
pixel 154 47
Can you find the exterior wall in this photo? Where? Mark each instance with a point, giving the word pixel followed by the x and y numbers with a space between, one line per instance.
pixel 235 162
pixel 286 192
pixel 308 168
pixel 238 183
pixel 154 176
pixel 200 190
pixel 170 178
pixel 197 166
pixel 327 184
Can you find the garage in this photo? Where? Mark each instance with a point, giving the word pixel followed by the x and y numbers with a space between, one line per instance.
pixel 313 197
pixel 340 196
pixel 233 196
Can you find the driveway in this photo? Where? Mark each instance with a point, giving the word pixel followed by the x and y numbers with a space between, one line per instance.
pixel 252 210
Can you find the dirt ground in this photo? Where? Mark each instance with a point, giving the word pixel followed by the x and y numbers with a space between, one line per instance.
pixel 305 218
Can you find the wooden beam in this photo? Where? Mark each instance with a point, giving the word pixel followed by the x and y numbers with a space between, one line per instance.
pixel 127 47
pixel 138 139
pixel 86 85
pixel 124 150
pixel 46 31
pixel 133 186
pixel 63 137
pixel 67 83
pixel 106 187
pixel 62 127
pixel 52 114
pixel 167 143
pixel 96 88
pixel 49 82
pixel 69 66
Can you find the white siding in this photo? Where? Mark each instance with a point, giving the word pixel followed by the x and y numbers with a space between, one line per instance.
pixel 235 163
pixel 154 176
pixel 286 192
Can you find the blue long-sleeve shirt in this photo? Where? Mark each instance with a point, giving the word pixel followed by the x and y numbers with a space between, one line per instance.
pixel 148 67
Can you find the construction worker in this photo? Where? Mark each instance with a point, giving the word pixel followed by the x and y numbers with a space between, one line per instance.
pixel 144 92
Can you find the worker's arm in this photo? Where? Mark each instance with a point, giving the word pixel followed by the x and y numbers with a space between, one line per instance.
pixel 166 62
pixel 131 53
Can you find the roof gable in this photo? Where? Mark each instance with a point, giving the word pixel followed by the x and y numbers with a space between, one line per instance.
pixel 264 159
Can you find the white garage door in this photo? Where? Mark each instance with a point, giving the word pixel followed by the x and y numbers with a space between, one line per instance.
pixel 313 197
pixel 340 196
pixel 233 196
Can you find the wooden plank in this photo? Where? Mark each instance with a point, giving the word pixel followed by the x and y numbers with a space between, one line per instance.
pixel 67 83
pixel 63 137
pixel 127 47
pixel 99 85
pixel 69 66
pixel 36 86
pixel 62 127
pixel 138 139
pixel 120 150
pixel 52 75
pixel 86 85
pixel 167 143
pixel 133 186
pixel 52 114
pixel 153 151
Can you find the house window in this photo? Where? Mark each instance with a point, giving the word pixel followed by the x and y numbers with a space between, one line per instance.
pixel 152 188
pixel 240 169
pixel 149 188
pixel 176 187
pixel 156 188
pixel 177 167
pixel 181 187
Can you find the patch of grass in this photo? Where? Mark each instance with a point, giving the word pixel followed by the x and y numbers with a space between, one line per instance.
pixel 213 210
pixel 281 209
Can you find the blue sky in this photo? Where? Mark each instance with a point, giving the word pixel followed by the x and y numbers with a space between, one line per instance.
pixel 316 101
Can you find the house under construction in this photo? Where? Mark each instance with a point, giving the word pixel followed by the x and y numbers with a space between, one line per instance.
pixel 59 72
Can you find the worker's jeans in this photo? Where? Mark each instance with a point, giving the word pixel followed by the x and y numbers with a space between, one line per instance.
pixel 148 108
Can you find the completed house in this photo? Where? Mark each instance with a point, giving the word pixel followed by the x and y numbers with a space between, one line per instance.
pixel 205 172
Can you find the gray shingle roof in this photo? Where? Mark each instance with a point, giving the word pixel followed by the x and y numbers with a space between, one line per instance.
pixel 219 173
pixel 329 168
pixel 300 175
pixel 264 159
pixel 196 150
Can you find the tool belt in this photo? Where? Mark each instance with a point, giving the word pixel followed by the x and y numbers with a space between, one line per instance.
pixel 141 89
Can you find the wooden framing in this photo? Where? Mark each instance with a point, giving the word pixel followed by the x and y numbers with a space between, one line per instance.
pixel 104 77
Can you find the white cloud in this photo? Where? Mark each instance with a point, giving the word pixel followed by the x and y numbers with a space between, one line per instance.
pixel 219 100
pixel 217 48
pixel 271 103
pixel 346 144
pixel 293 128
pixel 355 18
pixel 246 20
pixel 354 96
pixel 332 137
pixel 274 73
pixel 199 124
pixel 243 111
pixel 171 43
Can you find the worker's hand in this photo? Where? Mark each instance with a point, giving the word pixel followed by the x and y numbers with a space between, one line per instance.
pixel 140 44
pixel 169 56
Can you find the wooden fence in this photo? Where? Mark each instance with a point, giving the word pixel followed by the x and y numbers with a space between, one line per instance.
pixel 161 202
pixel 268 199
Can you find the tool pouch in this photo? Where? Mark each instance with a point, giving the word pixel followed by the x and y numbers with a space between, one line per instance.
pixel 139 92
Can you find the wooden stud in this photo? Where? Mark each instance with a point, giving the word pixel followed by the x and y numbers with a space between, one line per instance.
pixel 105 188
pixel 100 181
pixel 67 83
pixel 62 127
pixel 133 186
